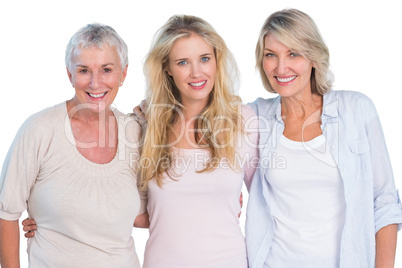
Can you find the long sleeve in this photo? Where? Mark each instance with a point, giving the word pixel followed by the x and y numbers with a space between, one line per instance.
pixel 387 207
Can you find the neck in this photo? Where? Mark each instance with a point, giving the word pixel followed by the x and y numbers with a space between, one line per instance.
pixel 88 115
pixel 301 106
pixel 192 111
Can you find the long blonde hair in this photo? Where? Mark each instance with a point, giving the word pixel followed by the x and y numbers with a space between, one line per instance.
pixel 220 121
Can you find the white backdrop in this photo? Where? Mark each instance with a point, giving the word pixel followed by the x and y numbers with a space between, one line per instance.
pixel 363 38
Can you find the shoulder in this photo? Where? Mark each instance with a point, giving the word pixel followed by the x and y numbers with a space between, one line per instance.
pixel 262 106
pixel 348 96
pixel 43 121
pixel 40 131
pixel 247 111
pixel 128 126
pixel 351 102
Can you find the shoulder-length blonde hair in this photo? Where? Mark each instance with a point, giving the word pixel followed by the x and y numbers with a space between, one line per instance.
pixel 218 122
pixel 297 31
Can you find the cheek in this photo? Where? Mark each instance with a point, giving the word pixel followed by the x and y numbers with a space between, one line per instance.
pixel 304 68
pixel 78 83
pixel 267 66
pixel 113 80
pixel 178 76
pixel 212 72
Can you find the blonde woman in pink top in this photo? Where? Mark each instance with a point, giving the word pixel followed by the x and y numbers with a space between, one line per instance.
pixel 198 149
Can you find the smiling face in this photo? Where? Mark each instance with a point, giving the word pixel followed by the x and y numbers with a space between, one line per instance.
pixel 287 71
pixel 192 65
pixel 96 76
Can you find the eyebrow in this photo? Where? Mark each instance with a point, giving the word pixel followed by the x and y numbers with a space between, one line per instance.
pixel 103 65
pixel 206 54
pixel 182 59
pixel 289 50
pixel 201 56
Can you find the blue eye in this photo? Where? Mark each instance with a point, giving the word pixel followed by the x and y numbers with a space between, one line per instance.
pixel 204 59
pixel 183 62
pixel 294 54
pixel 270 55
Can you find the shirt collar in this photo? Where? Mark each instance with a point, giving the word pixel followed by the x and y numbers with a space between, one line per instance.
pixel 275 109
pixel 330 105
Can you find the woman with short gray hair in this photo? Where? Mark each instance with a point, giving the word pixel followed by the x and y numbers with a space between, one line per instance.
pixel 70 167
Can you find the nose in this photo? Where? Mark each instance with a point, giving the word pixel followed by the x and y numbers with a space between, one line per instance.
pixel 195 70
pixel 283 66
pixel 95 80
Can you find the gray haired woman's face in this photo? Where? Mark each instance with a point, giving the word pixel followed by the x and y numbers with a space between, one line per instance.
pixel 96 75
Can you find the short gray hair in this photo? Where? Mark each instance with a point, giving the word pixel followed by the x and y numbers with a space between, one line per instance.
pixel 297 31
pixel 96 35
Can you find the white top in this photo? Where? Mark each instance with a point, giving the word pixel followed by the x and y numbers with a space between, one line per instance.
pixel 307 204
pixel 84 211
pixel 194 219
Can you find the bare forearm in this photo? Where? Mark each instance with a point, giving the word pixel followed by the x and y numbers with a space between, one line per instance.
pixel 9 244
pixel 386 246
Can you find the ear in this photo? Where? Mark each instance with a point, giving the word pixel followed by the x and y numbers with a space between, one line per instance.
pixel 169 72
pixel 70 76
pixel 314 64
pixel 124 74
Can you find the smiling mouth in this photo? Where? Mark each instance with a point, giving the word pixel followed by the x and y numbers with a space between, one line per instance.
pixel 198 84
pixel 285 80
pixel 96 96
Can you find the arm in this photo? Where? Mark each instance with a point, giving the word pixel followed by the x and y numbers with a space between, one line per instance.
pixel 249 147
pixel 142 221
pixel 9 244
pixel 387 210
pixel 386 246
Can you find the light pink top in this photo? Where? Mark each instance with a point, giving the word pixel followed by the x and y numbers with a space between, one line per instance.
pixel 194 218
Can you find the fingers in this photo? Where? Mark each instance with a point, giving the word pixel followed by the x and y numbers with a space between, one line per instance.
pixel 137 110
pixel 241 203
pixel 28 221
pixel 139 115
pixel 29 228
pixel 29 234
pixel 143 106
pixel 29 225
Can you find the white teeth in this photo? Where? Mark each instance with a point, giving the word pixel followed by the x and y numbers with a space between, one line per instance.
pixel 198 84
pixel 97 95
pixel 284 80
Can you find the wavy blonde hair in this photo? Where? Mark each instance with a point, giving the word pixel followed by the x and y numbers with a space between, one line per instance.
pixel 297 31
pixel 219 122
